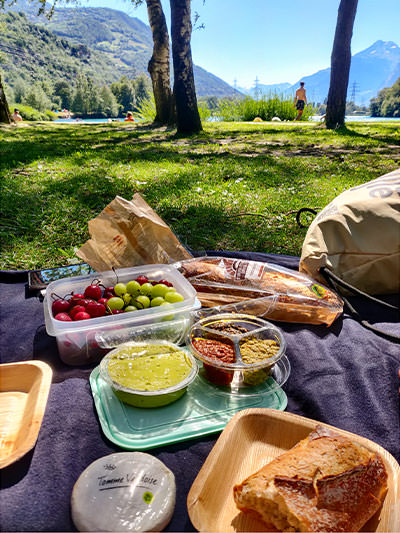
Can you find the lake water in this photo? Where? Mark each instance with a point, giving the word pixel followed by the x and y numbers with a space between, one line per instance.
pixel 359 118
pixel 87 120
pixel 315 118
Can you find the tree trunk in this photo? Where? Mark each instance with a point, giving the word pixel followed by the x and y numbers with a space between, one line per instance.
pixel 340 64
pixel 159 66
pixel 4 111
pixel 187 114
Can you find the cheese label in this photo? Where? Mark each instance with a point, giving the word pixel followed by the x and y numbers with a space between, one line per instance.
pixel 128 491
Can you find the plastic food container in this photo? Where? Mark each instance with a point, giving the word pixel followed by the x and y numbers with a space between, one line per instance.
pixel 237 350
pixel 87 341
pixel 149 374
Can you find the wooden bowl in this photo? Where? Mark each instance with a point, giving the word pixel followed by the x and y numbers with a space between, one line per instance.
pixel 252 438
pixel 24 388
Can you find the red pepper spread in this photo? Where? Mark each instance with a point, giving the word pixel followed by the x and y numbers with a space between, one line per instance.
pixel 215 349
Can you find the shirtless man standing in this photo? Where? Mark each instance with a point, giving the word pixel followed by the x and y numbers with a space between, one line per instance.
pixel 300 100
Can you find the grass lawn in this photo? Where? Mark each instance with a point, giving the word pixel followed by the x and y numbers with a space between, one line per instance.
pixel 236 186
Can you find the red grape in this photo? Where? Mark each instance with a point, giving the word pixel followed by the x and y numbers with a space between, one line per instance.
pixel 93 292
pixel 76 309
pixel 82 315
pixel 165 282
pixel 95 309
pixel 64 317
pixel 142 280
pixel 60 306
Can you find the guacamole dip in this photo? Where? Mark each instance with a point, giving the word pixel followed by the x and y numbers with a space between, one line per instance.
pixel 149 367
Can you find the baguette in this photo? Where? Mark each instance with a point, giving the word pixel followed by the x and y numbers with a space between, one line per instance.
pixel 222 280
pixel 324 483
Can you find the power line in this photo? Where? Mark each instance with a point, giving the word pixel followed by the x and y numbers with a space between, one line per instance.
pixel 354 90
pixel 256 88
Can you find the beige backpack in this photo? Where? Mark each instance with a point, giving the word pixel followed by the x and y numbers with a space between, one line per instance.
pixel 357 237
pixel 354 245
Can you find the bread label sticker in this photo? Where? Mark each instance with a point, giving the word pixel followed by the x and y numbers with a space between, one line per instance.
pixel 318 291
pixel 245 269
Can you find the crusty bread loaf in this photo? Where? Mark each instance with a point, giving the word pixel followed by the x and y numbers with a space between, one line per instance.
pixel 324 483
pixel 224 280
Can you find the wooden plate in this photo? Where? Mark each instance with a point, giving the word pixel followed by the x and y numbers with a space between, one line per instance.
pixel 24 388
pixel 252 438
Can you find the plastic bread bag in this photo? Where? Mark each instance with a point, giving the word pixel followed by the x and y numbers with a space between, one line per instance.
pixel 261 307
pixel 220 281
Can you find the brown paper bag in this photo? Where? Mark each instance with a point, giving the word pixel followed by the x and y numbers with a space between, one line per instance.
pixel 129 233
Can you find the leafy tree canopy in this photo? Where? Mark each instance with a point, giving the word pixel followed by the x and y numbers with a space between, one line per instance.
pixel 387 103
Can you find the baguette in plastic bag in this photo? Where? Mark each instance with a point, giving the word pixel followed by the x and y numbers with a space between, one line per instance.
pixel 263 289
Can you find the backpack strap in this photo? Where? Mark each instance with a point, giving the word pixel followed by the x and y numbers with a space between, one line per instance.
pixel 337 283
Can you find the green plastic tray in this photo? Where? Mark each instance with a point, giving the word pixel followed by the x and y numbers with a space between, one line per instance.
pixel 202 410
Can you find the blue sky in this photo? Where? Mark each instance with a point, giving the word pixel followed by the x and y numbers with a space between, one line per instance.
pixel 274 40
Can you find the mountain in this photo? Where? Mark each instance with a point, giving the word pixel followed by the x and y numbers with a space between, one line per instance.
pixel 266 89
pixel 102 42
pixel 371 70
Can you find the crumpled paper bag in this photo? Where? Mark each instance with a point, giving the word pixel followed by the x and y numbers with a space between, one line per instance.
pixel 129 233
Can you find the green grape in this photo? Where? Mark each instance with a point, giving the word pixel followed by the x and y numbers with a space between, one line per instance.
pixel 159 290
pixel 115 303
pixel 130 308
pixel 168 317
pixel 173 297
pixel 157 301
pixel 133 287
pixel 146 289
pixel 142 302
pixel 127 298
pixel 120 289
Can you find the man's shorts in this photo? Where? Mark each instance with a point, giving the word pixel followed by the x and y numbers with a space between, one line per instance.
pixel 300 104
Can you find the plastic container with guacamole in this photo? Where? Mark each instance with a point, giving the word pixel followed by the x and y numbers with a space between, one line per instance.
pixel 148 374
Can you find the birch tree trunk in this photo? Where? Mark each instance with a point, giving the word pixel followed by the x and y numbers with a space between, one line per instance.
pixel 159 64
pixel 340 64
pixel 187 114
pixel 4 110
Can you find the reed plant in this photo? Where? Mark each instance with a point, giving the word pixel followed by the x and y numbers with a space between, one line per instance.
pixel 146 110
pixel 266 108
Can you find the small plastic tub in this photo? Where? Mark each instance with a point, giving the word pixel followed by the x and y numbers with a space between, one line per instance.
pixel 238 351
pixel 149 374
pixel 87 341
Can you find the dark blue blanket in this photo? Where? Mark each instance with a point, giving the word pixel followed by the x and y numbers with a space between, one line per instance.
pixel 344 375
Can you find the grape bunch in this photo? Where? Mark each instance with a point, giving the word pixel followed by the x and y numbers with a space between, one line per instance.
pixel 97 300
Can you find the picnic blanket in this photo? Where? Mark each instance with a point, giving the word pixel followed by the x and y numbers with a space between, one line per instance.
pixel 343 375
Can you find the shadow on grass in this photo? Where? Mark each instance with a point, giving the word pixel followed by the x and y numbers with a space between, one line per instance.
pixel 347 131
pixel 27 145
pixel 51 142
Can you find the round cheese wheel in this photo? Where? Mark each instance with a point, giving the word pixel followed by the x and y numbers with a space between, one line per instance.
pixel 127 491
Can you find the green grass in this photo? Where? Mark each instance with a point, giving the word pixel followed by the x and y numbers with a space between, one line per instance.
pixel 208 188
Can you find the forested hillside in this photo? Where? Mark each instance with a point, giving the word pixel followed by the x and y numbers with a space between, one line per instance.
pixel 387 103
pixel 102 43
pixel 31 53
pixel 123 40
